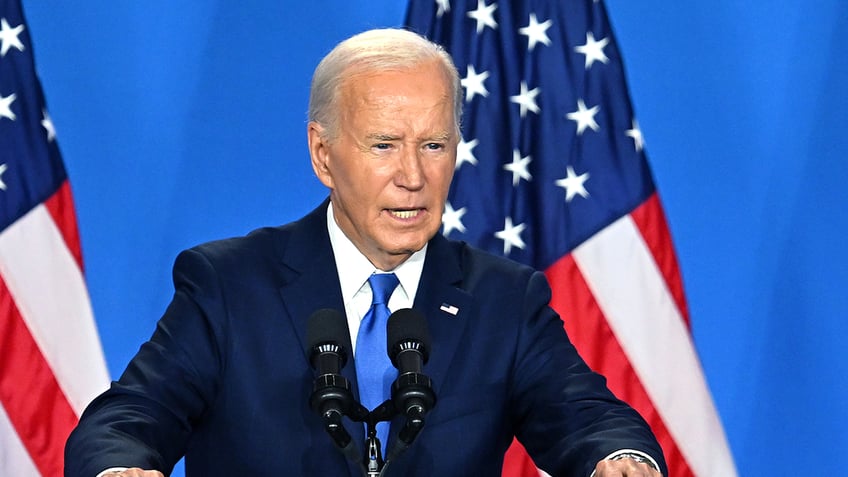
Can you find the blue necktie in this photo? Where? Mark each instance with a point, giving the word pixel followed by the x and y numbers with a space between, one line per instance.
pixel 374 370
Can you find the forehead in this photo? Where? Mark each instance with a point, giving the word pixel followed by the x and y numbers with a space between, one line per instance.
pixel 423 87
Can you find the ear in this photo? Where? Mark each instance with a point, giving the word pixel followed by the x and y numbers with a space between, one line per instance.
pixel 319 151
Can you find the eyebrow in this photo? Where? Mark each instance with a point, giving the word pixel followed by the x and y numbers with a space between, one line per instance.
pixel 442 137
pixel 382 137
pixel 438 137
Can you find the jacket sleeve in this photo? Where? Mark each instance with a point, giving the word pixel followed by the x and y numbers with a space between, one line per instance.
pixel 566 417
pixel 145 418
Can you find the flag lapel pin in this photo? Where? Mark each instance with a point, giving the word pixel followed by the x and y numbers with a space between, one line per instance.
pixel 449 309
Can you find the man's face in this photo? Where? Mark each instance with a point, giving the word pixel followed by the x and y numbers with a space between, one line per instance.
pixel 390 164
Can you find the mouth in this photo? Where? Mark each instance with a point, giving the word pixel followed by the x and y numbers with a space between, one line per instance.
pixel 405 214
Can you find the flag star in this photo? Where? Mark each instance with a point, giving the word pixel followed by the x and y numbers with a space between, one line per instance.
pixel 473 83
pixel 518 167
pixel 6 106
pixel 536 32
pixel 2 171
pixel 465 153
pixel 636 134
pixel 511 235
pixel 9 37
pixel 584 117
pixel 594 50
pixel 452 219
pixel 47 124
pixel 526 99
pixel 484 15
pixel 444 6
pixel 573 184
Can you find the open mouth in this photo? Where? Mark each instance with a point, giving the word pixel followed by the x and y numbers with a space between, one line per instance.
pixel 405 214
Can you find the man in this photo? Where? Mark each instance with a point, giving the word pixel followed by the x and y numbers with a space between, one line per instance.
pixel 225 379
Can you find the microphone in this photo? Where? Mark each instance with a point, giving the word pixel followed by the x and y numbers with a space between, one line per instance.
pixel 331 398
pixel 408 346
pixel 326 334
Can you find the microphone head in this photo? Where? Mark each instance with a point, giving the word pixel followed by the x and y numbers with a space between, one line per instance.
pixel 407 326
pixel 328 326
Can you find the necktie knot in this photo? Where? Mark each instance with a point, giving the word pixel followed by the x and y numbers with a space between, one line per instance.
pixel 382 286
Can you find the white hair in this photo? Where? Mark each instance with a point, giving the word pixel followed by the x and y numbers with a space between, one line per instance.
pixel 374 50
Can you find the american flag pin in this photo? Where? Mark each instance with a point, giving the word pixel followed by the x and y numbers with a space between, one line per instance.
pixel 449 309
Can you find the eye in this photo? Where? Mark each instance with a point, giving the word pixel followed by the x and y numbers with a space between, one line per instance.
pixel 383 146
pixel 434 146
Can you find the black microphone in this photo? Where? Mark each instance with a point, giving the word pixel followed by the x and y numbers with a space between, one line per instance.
pixel 408 340
pixel 408 345
pixel 328 340
pixel 326 335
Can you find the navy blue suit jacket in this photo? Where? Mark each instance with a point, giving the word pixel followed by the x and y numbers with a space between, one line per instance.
pixel 225 378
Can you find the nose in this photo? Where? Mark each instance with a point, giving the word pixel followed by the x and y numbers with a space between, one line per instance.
pixel 410 174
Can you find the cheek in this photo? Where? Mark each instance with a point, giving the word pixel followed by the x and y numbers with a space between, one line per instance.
pixel 352 181
pixel 442 176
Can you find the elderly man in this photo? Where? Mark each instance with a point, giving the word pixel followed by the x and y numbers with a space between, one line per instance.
pixel 225 379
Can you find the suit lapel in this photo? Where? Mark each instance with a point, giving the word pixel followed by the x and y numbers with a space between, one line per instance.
pixel 445 305
pixel 311 282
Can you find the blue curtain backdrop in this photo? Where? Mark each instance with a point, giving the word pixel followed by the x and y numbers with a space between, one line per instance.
pixel 182 122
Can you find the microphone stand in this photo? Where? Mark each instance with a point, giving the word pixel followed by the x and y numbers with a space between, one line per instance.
pixel 374 464
pixel 373 458
pixel 413 394
pixel 333 399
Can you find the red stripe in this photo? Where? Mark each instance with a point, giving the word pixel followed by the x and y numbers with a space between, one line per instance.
pixel 37 407
pixel 650 220
pixel 589 331
pixel 517 463
pixel 61 208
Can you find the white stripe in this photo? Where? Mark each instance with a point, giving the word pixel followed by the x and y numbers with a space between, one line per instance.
pixel 14 459
pixel 634 298
pixel 49 291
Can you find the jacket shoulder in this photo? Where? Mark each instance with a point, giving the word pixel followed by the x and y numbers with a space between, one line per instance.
pixel 476 262
pixel 268 244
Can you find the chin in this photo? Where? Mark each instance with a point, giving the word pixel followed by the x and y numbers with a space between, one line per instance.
pixel 409 239
pixel 407 247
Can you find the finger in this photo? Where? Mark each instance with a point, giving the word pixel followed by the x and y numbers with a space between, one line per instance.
pixel 624 468
pixel 135 472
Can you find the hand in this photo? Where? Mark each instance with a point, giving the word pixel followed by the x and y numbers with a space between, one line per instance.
pixel 624 468
pixel 134 472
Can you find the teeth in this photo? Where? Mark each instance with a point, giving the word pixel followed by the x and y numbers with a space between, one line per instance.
pixel 404 214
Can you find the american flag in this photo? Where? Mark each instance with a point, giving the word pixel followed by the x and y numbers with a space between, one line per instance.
pixel 51 362
pixel 551 171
